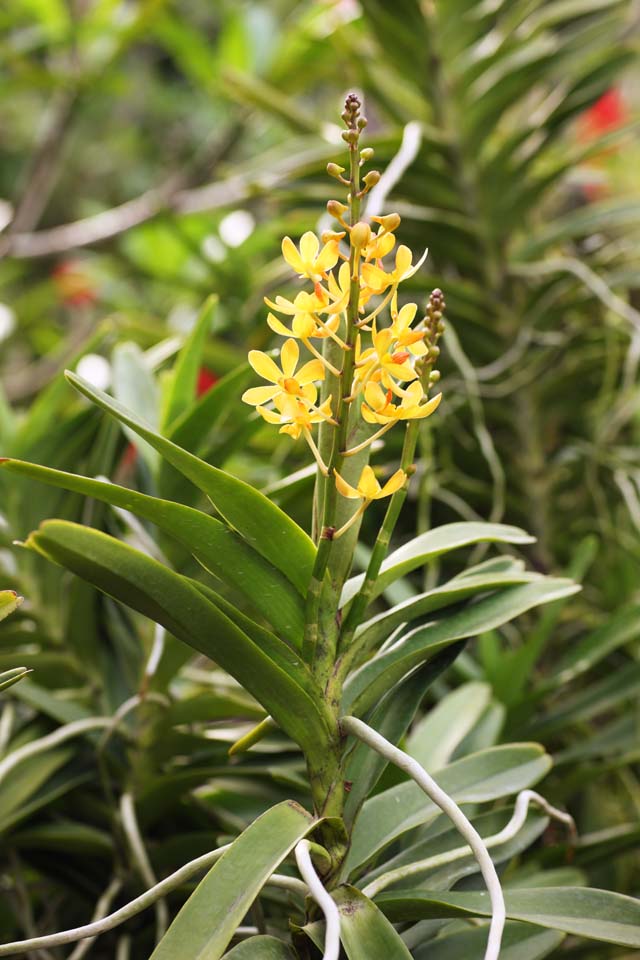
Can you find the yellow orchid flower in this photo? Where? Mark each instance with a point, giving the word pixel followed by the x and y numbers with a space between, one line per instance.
pixel 368 487
pixel 379 408
pixel 294 415
pixel 304 326
pixel 306 260
pixel 384 361
pixel 404 336
pixel 378 280
pixel 285 380
pixel 296 418
pixel 380 245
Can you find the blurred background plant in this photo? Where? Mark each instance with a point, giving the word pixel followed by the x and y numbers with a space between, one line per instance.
pixel 152 154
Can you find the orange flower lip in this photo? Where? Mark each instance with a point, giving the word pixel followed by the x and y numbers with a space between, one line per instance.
pixel 401 356
pixel 291 385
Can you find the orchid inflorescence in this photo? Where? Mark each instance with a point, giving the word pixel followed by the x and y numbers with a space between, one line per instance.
pixel 381 370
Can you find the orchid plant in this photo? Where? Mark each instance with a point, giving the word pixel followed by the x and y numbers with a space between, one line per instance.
pixel 334 660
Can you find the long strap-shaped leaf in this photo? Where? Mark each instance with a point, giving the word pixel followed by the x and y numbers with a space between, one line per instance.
pixel 596 914
pixel 205 925
pixel 275 678
pixel 220 550
pixel 365 932
pixel 482 776
pixel 429 545
pixel 260 948
pixel 382 625
pixel 264 525
pixel 365 687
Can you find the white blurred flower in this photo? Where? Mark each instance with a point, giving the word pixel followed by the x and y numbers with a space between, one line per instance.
pixel 236 227
pixel 95 369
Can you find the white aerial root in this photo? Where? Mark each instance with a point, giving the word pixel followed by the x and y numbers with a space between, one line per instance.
pixel 102 909
pixel 67 732
pixel 134 907
pixel 322 898
pixel 141 858
pixel 402 760
pixel 515 824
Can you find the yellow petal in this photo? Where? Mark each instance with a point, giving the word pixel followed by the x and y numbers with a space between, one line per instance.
pixel 289 356
pixel 255 395
pixel 346 489
pixel 293 429
pixel 328 257
pixel 310 393
pixel 403 260
pixel 405 317
pixel 375 395
pixel 393 484
pixel 304 326
pixel 309 244
pixel 432 405
pixel 413 394
pixel 401 371
pixel 282 305
pixel 313 370
pixel 269 415
pixel 291 255
pixel 371 417
pixel 367 484
pixel 278 326
pixel 264 366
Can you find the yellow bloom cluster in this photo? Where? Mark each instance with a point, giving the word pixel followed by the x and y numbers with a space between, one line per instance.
pixel 353 276
pixel 381 369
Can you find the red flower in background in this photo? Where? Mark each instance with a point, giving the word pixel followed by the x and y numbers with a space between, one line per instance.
pixel 206 379
pixel 607 114
pixel 75 288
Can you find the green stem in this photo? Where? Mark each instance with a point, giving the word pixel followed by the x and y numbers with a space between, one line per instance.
pixel 379 552
pixel 321 654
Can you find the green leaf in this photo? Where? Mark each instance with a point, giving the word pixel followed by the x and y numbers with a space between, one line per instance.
pixel 616 631
pixel 487 775
pixel 434 740
pixel 220 550
pixel 183 380
pixel 267 528
pixel 381 626
pixel 216 908
pixel 521 941
pixel 365 932
pixel 9 601
pixel 26 779
pixel 363 766
pixel 196 424
pixel 371 681
pixel 432 544
pixel 135 387
pixel 276 676
pixel 260 948
pixel 583 912
pixel 9 677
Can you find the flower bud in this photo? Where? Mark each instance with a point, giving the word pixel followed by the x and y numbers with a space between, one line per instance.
pixel 328 235
pixel 370 179
pixel 389 222
pixel 335 170
pixel 350 136
pixel 360 235
pixel 434 376
pixel 362 122
pixel 336 209
pixel 366 154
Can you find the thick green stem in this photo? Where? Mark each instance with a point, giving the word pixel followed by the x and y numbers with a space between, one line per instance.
pixel 379 552
pixel 316 648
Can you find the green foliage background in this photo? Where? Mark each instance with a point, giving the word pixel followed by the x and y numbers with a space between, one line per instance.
pixel 175 115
